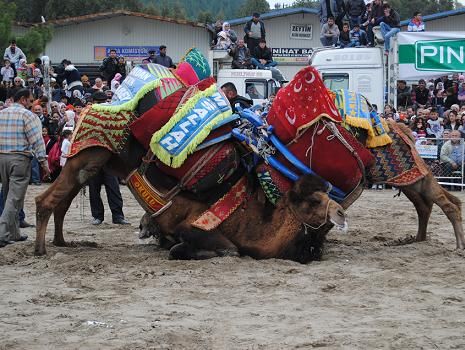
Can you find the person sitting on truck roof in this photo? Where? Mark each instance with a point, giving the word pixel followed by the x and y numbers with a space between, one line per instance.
pixel 390 26
pixel 329 33
pixel 230 91
pixel 358 37
pixel 376 12
pixel 262 57
pixel 241 56
pixel 344 36
pixel 416 24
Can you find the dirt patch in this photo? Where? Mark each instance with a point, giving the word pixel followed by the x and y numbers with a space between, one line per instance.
pixel 109 290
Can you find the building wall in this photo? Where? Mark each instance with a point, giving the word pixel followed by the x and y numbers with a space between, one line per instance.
pixel 76 41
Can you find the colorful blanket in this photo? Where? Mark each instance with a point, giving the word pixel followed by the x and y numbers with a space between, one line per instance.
pixel 397 164
pixel 190 125
pixel 104 129
pixel 353 107
pixel 300 104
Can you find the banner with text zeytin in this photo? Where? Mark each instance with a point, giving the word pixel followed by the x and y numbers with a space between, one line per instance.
pixel 430 54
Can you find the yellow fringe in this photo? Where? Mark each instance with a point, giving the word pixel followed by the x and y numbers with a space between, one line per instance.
pixel 373 140
pixel 132 103
pixel 178 160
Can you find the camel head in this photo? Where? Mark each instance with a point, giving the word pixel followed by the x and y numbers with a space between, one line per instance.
pixel 148 227
pixel 310 203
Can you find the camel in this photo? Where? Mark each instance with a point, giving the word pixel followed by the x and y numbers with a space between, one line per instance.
pixel 251 232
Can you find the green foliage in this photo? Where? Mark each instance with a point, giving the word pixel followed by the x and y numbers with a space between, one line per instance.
pixel 306 3
pixel 427 7
pixel 34 41
pixel 251 6
pixel 205 17
pixel 7 15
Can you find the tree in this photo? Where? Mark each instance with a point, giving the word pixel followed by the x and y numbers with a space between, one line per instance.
pixel 34 41
pixel 7 15
pixel 205 17
pixel 306 3
pixel 251 6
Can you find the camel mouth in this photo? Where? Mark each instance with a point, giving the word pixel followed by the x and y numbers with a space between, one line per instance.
pixel 344 227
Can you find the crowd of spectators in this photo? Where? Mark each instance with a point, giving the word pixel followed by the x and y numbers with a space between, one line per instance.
pixel 248 52
pixel 352 23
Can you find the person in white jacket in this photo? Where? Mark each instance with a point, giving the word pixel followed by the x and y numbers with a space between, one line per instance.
pixel 14 54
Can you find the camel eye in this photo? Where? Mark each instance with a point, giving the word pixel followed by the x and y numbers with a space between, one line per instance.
pixel 313 202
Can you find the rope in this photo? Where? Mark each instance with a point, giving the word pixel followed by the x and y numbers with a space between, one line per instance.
pixel 306 225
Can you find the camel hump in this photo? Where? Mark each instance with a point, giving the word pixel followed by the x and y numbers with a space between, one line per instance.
pixel 402 128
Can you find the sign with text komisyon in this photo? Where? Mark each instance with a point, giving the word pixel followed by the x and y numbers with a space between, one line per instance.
pixel 430 54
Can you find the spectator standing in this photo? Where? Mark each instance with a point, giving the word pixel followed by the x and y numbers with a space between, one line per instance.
pixel 254 31
pixel 416 23
pixel 344 36
pixel 262 56
pixel 358 37
pixel 7 72
pixel 230 33
pixel 355 10
pixel 164 59
pixel 376 12
pixel 14 54
pixel 151 58
pixel 65 146
pixel 214 30
pixel 334 8
pixel 109 65
pixel 121 69
pixel 111 184
pixel 329 33
pixel 390 26
pixel 241 56
pixel 20 139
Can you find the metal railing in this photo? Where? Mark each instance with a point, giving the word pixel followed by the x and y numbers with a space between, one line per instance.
pixel 448 173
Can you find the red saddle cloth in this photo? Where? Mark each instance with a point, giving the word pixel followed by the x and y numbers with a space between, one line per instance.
pixel 300 104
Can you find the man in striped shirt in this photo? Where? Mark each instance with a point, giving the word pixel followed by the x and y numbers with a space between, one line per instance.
pixel 20 139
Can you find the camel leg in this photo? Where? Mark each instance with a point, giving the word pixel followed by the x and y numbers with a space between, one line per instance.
pixel 197 244
pixel 423 207
pixel 74 175
pixel 59 216
pixel 450 205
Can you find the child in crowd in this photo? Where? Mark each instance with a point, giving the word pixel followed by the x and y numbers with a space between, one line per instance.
pixel 434 126
pixel 7 72
pixel 344 36
pixel 65 146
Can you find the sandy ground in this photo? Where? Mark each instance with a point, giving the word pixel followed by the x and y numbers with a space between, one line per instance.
pixel 112 291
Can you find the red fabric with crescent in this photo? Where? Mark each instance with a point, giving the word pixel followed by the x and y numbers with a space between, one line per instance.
pixel 300 104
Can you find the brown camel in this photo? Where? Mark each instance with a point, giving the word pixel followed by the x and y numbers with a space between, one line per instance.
pixel 294 230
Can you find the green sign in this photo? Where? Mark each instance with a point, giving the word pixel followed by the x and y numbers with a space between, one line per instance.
pixel 446 55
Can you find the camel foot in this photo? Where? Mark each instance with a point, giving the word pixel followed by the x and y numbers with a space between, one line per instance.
pixel 402 241
pixel 228 252
pixel 185 251
pixel 60 243
pixel 40 251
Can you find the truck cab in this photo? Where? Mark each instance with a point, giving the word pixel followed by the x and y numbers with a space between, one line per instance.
pixel 359 69
pixel 255 84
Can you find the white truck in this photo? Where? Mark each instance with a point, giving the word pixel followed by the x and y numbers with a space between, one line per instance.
pixel 359 69
pixel 256 84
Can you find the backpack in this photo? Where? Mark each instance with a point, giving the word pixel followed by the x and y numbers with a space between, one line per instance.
pixel 54 156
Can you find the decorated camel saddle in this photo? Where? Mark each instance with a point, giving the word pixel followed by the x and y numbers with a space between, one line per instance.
pixel 186 125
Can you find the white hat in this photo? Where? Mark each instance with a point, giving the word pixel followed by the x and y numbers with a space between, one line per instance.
pixel 368 2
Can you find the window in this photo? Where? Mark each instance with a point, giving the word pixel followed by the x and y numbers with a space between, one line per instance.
pixel 336 81
pixel 256 89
